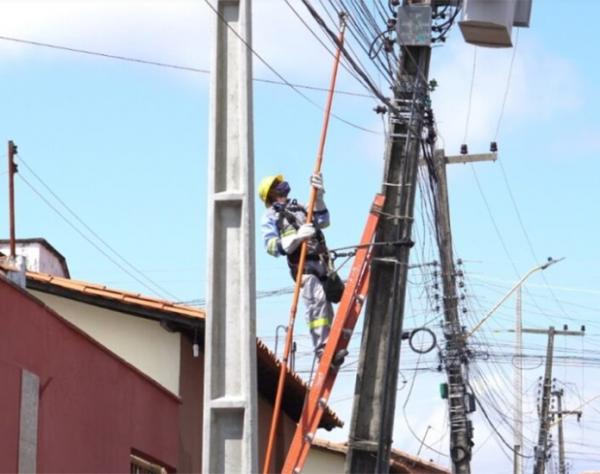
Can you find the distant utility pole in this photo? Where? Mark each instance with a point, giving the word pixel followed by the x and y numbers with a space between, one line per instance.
pixel 12 170
pixel 518 379
pixel 230 393
pixel 372 422
pixel 455 358
pixel 541 449
pixel 562 466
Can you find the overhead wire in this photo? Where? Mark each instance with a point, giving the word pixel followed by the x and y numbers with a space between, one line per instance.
pixel 85 237
pixel 151 282
pixel 361 22
pixel 521 223
pixel 278 74
pixel 505 176
pixel 366 80
pixel 322 43
pixel 179 67
pixel 471 87
pixel 331 16
pixel 494 428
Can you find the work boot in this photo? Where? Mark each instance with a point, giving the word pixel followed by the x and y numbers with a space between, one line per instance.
pixel 339 357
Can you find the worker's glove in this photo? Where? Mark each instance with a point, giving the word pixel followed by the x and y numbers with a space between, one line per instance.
pixel 316 180
pixel 306 231
pixel 291 242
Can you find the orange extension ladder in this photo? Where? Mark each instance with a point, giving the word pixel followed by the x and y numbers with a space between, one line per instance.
pixel 347 314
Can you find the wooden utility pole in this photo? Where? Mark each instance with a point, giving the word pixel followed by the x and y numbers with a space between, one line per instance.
pixel 12 170
pixel 372 420
pixel 542 445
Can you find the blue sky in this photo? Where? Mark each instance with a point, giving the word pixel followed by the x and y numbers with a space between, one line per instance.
pixel 124 145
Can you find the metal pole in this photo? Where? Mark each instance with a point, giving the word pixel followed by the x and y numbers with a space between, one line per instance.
pixel 230 389
pixel 518 378
pixel 12 169
pixel 460 426
pixel 511 291
pixel 542 445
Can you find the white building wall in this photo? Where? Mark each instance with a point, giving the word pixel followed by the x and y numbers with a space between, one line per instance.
pixel 141 342
pixel 320 461
pixel 38 258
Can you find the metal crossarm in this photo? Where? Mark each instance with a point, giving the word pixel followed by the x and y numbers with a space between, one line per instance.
pixel 347 314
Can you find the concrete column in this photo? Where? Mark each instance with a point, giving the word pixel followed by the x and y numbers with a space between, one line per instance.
pixel 230 413
pixel 28 422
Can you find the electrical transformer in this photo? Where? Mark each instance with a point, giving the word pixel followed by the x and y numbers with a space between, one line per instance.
pixel 489 22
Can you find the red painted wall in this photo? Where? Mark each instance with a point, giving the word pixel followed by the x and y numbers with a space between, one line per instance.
pixel 191 390
pixel 94 408
pixel 10 395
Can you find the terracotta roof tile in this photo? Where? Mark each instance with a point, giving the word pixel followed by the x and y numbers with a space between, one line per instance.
pixel 102 291
pixel 398 457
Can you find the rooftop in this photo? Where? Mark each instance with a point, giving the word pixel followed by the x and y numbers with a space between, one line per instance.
pixel 400 462
pixel 179 317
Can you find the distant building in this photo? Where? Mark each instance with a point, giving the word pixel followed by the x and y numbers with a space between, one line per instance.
pixel 329 457
pixel 39 255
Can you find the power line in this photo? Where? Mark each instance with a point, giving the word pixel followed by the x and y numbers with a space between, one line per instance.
pixel 283 79
pixel 520 219
pixel 95 234
pixel 360 71
pixel 508 81
pixel 62 216
pixel 149 62
pixel 493 425
pixel 467 120
pixel 322 43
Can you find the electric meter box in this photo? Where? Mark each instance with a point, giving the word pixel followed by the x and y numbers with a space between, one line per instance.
pixel 489 22
pixel 413 25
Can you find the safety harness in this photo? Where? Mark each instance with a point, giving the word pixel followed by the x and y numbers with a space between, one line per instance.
pixel 286 212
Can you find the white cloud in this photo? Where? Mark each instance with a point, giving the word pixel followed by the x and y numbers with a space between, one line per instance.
pixel 543 85
pixel 175 31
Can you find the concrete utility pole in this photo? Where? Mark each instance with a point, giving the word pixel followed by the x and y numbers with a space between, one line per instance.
pixel 518 378
pixel 518 375
pixel 375 392
pixel 372 420
pixel 542 445
pixel 455 359
pixel 561 439
pixel 562 466
pixel 230 405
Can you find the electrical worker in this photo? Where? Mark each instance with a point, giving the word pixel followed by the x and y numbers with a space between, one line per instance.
pixel 284 228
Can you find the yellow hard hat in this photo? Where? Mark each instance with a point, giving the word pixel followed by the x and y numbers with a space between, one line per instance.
pixel 265 186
